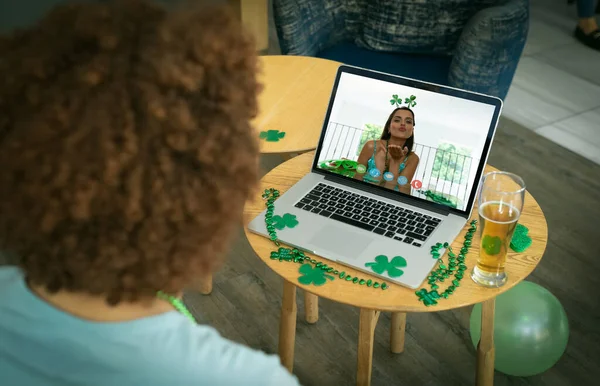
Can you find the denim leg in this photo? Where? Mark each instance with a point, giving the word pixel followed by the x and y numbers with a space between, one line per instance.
pixel 586 8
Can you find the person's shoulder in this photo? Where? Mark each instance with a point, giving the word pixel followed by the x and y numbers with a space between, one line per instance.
pixel 370 145
pixel 413 157
pixel 10 273
pixel 203 356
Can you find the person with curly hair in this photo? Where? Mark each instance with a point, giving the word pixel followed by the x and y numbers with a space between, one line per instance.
pixel 127 155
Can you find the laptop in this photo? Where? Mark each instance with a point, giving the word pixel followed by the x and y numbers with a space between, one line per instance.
pixel 368 195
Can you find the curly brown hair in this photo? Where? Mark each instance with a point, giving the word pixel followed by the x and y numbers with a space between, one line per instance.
pixel 126 147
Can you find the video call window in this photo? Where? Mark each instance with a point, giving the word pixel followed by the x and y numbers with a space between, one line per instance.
pixel 409 140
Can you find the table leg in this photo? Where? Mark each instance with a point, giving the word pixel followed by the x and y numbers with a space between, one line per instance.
pixel 366 331
pixel 287 326
pixel 204 284
pixel 311 307
pixel 397 332
pixel 485 348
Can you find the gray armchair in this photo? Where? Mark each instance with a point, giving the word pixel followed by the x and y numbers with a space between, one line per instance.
pixel 470 44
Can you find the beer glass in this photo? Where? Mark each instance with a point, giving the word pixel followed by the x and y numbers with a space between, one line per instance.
pixel 501 198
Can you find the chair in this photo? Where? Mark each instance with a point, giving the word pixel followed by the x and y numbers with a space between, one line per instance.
pixel 468 44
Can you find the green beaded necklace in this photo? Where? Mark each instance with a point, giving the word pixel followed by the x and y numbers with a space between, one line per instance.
pixel 297 256
pixel 456 266
pixel 177 304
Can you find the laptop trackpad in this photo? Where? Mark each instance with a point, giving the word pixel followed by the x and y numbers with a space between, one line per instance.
pixel 340 241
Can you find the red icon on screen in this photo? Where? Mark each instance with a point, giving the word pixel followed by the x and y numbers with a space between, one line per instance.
pixel 416 184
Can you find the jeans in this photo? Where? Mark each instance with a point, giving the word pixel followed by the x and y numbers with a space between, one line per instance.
pixel 586 8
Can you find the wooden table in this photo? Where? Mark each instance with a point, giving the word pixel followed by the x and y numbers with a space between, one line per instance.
pixel 396 299
pixel 294 100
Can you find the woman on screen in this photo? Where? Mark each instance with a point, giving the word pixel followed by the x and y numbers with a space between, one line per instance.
pixel 390 161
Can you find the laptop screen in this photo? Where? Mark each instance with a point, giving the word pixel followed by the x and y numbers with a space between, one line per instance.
pixel 409 138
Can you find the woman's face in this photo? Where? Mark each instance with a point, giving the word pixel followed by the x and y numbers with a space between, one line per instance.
pixel 402 124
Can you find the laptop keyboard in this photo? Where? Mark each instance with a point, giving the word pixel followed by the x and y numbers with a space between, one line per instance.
pixel 369 214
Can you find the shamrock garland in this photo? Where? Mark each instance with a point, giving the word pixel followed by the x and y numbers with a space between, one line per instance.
pixel 456 266
pixel 272 135
pixel 382 264
pixel 311 275
pixel 297 256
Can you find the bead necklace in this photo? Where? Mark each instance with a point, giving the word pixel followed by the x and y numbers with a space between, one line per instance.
pixel 297 256
pixel 177 304
pixel 456 266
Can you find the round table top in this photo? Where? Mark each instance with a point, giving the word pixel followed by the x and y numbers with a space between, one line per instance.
pixel 396 297
pixel 294 100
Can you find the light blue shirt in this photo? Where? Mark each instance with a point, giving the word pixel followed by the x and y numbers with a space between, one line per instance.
pixel 41 345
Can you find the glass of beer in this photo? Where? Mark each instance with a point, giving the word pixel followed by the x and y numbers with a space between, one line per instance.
pixel 501 198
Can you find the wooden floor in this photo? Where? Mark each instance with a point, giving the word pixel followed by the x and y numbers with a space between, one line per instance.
pixel 244 305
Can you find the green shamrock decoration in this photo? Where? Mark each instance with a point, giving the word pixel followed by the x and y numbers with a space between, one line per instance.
pixel 313 275
pixel 272 135
pixel 520 240
pixel 382 264
pixel 287 254
pixel 288 220
pixel 428 298
pixel 396 100
pixel 411 101
pixel 492 245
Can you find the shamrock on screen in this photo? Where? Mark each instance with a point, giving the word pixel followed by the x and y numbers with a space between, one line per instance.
pixel 396 100
pixel 411 101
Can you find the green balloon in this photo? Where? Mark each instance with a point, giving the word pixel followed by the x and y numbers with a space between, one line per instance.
pixel 531 330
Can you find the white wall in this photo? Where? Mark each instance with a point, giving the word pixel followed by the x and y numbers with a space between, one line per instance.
pixel 439 118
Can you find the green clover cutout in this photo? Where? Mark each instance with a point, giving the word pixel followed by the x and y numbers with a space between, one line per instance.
pixel 313 275
pixel 520 240
pixel 287 220
pixel 382 264
pixel 428 298
pixel 411 101
pixel 272 135
pixel 396 100
pixel 492 245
